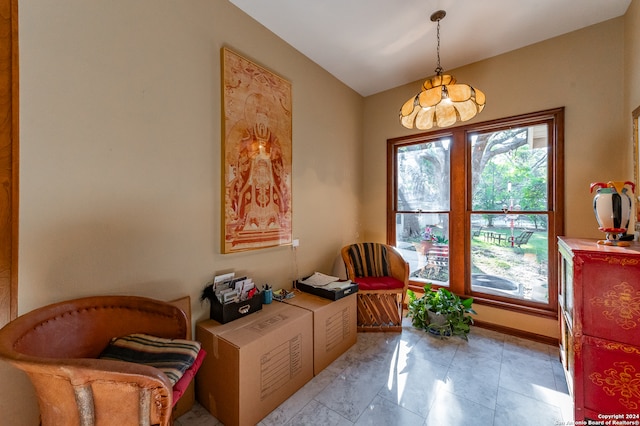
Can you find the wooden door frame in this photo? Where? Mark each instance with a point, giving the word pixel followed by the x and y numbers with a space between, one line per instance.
pixel 9 130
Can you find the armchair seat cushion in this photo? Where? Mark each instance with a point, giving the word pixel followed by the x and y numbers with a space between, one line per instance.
pixel 181 385
pixel 171 356
pixel 378 283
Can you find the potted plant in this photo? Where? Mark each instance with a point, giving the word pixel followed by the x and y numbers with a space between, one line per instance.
pixel 439 240
pixel 427 239
pixel 440 312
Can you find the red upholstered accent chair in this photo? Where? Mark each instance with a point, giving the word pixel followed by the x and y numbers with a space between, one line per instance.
pixel 383 277
pixel 59 345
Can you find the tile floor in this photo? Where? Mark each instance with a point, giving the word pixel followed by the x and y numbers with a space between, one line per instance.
pixel 412 378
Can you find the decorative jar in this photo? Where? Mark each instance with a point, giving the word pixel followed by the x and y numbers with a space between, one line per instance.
pixel 612 206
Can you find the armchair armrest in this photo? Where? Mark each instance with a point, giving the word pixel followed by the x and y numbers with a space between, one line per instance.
pixel 399 267
pixel 113 383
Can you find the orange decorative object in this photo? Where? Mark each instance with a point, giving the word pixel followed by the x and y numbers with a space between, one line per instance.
pixel 599 311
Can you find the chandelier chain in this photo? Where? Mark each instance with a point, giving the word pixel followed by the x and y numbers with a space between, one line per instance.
pixel 438 68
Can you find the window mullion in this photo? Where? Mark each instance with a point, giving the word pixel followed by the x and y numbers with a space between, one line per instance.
pixel 457 214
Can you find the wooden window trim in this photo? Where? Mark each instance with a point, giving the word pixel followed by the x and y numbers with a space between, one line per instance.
pixel 460 206
pixel 9 129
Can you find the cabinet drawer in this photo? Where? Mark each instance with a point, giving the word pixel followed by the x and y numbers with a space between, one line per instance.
pixel 611 297
pixel 611 377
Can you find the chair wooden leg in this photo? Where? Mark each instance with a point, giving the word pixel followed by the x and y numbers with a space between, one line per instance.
pixel 84 402
pixel 379 312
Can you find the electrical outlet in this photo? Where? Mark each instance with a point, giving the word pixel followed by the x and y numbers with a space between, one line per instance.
pixel 295 243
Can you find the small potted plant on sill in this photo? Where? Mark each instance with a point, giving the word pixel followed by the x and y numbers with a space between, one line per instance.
pixel 441 312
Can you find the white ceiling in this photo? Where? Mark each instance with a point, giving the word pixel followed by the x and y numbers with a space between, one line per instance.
pixel 375 45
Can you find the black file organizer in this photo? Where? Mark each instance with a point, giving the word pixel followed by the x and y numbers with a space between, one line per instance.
pixel 234 310
pixel 327 293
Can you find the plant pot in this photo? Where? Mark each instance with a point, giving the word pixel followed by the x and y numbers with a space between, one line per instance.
pixel 437 319
pixel 440 312
pixel 423 247
pixel 438 325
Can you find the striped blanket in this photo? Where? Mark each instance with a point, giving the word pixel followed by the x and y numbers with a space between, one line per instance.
pixel 369 260
pixel 171 356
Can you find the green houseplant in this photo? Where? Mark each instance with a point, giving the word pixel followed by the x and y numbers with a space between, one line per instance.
pixel 440 312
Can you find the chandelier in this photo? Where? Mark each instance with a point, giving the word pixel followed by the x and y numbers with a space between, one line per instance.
pixel 441 102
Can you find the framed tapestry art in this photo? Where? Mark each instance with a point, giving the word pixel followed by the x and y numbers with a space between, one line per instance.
pixel 256 158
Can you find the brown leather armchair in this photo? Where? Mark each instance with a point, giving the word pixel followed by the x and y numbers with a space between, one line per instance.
pixel 58 347
pixel 383 277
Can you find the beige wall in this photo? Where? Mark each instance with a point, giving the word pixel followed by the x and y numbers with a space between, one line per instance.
pixel 120 152
pixel 631 72
pixel 582 71
pixel 121 144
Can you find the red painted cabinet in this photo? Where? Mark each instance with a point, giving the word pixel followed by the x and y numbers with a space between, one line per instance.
pixel 599 313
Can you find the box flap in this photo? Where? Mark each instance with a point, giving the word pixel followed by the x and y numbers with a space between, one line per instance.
pixel 244 331
pixel 273 319
pixel 308 301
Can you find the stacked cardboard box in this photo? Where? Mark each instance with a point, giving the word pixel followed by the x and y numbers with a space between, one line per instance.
pixel 334 326
pixel 254 363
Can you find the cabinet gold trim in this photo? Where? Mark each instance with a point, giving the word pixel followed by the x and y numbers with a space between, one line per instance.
pixel 621 304
pixel 624 382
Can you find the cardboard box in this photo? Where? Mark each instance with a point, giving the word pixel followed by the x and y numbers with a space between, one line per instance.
pixel 334 326
pixel 328 293
pixel 254 363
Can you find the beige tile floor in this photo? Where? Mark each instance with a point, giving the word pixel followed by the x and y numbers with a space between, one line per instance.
pixel 412 378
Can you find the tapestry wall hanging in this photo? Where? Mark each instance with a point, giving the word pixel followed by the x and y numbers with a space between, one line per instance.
pixel 256 107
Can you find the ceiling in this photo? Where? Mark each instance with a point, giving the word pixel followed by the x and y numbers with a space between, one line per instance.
pixel 375 45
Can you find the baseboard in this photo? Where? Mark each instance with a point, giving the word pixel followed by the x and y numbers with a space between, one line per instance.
pixel 378 329
pixel 552 341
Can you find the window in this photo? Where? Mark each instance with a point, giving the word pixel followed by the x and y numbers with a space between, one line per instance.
pixel 478 208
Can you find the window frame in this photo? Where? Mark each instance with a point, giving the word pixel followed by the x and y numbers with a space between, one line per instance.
pixel 460 208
